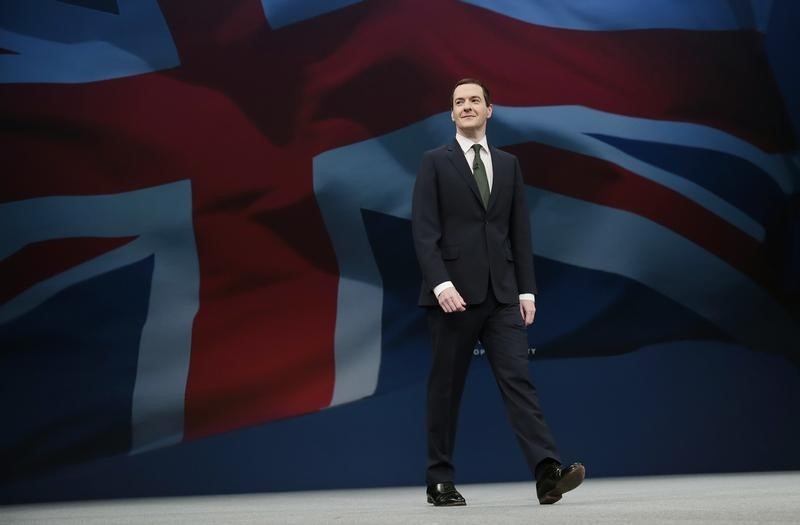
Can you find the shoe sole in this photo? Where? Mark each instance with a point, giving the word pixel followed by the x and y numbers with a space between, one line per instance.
pixel 565 484
pixel 454 504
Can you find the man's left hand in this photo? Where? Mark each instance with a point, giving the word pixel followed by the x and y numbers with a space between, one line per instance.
pixel 527 309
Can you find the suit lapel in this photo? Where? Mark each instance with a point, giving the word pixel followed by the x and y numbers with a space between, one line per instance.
pixel 459 161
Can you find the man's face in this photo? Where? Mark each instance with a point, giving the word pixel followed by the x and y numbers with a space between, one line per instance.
pixel 469 109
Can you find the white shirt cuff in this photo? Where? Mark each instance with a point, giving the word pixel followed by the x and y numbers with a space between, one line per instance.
pixel 439 289
pixel 527 297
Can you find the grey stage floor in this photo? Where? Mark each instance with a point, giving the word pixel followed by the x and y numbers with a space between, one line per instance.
pixel 731 498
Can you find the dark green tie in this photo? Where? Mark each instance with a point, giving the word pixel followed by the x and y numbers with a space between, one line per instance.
pixel 479 170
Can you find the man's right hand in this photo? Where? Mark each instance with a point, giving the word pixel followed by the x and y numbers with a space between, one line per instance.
pixel 451 301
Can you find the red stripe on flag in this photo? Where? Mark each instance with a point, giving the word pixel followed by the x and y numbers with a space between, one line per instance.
pixel 393 66
pixel 42 260
pixel 368 69
pixel 605 183
pixel 262 341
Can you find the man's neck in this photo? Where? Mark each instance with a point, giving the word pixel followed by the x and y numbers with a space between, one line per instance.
pixel 475 136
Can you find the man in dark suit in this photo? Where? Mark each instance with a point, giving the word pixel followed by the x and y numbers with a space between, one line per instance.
pixel 472 237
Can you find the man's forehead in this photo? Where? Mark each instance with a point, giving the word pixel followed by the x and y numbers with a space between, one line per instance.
pixel 468 90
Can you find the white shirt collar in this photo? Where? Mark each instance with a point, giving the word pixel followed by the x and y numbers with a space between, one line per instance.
pixel 466 143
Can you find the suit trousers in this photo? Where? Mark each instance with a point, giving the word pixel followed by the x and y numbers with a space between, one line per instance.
pixel 502 331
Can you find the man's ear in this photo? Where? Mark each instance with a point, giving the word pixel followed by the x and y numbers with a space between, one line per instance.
pixel 489 111
pixel 452 116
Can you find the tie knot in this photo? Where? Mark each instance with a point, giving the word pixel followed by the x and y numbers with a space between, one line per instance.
pixel 477 148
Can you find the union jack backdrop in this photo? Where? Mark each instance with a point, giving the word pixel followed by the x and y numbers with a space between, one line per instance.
pixel 205 206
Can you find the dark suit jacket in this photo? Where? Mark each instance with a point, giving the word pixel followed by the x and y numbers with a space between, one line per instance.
pixel 457 240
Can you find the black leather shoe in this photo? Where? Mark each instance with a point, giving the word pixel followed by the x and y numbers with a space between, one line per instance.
pixel 445 495
pixel 555 481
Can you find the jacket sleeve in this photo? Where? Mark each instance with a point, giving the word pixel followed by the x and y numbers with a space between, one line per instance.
pixel 426 224
pixel 520 234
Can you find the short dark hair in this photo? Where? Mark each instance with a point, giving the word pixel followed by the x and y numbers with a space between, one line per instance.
pixel 463 81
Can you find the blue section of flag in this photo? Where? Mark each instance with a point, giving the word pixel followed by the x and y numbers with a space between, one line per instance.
pixel 282 13
pixel 405 344
pixel 109 6
pixel 584 312
pixel 735 179
pixel 59 42
pixel 73 401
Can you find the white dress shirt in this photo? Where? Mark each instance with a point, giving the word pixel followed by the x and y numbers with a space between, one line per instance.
pixel 466 147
